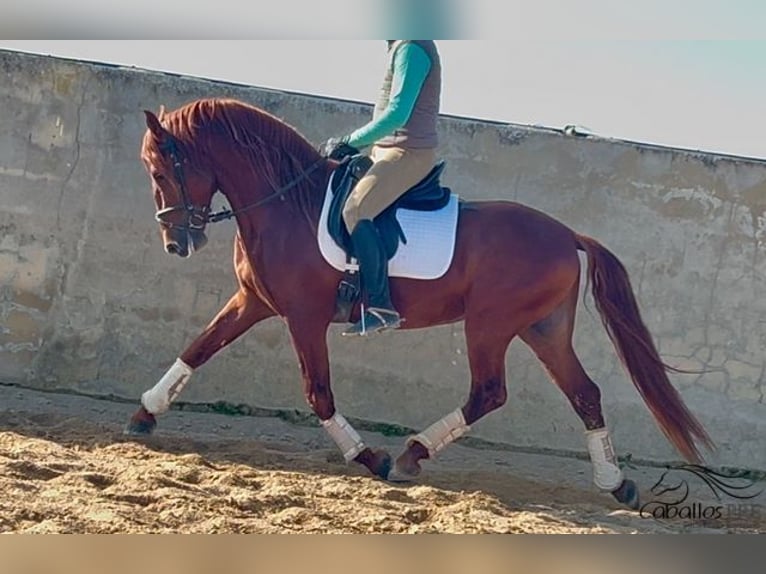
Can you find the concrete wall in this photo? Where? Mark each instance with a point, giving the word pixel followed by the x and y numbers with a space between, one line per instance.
pixel 89 301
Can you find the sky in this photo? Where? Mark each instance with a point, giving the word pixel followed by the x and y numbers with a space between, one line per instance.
pixel 674 73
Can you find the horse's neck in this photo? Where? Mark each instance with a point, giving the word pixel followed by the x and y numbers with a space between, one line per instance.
pixel 245 184
pixel 297 207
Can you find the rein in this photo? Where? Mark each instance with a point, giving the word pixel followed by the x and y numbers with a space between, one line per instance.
pixel 197 218
pixel 228 213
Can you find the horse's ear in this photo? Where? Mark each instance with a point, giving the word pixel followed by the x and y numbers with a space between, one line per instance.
pixel 155 126
pixel 162 112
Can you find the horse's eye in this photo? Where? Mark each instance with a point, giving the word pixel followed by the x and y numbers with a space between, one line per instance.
pixel 158 177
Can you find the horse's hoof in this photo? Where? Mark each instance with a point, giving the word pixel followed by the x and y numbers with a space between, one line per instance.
pixel 398 474
pixel 627 494
pixel 383 465
pixel 377 461
pixel 142 423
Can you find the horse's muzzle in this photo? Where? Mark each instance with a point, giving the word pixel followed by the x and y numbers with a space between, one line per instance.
pixel 185 243
pixel 174 248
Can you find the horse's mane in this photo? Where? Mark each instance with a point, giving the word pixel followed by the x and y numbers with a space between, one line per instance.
pixel 275 149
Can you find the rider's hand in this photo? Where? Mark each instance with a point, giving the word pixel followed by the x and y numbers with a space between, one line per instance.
pixel 337 149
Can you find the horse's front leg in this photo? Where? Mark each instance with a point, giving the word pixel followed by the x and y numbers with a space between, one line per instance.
pixel 310 342
pixel 241 312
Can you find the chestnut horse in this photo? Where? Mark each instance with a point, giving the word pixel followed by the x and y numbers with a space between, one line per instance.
pixel 275 182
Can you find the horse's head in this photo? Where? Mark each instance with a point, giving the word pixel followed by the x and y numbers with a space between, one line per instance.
pixel 182 191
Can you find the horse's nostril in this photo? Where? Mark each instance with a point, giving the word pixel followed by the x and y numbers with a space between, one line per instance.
pixel 172 248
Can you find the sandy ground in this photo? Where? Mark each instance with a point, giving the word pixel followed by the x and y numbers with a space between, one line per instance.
pixel 66 467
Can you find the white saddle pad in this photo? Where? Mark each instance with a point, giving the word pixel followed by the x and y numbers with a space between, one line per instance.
pixel 430 241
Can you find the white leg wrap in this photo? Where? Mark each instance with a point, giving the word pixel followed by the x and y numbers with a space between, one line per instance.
pixel 157 399
pixel 348 440
pixel 442 432
pixel 606 474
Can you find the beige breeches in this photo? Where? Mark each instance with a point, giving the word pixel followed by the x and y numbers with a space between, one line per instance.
pixel 393 172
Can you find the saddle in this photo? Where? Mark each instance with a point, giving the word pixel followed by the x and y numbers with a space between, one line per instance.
pixel 427 195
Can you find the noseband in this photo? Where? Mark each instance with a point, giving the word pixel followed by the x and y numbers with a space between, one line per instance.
pixel 198 217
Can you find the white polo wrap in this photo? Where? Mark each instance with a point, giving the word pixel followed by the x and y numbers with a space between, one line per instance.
pixel 606 474
pixel 442 432
pixel 157 399
pixel 348 440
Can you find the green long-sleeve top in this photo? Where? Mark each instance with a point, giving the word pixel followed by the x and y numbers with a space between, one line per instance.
pixel 411 66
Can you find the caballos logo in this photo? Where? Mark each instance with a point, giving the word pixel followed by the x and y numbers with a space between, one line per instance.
pixel 672 492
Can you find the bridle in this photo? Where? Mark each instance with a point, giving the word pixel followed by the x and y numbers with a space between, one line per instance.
pixel 198 217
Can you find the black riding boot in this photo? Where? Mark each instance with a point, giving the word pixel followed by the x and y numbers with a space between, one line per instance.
pixel 373 267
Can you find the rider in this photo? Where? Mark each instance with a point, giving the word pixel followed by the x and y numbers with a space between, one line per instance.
pixel 404 138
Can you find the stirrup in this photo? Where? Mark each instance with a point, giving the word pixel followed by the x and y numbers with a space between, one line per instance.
pixel 374 320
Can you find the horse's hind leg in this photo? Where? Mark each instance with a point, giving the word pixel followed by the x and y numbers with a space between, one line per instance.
pixel 551 340
pixel 486 354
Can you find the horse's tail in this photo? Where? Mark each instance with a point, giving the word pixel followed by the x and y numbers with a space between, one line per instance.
pixel 619 312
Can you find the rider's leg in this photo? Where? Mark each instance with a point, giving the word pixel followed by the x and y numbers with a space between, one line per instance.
pixel 394 171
